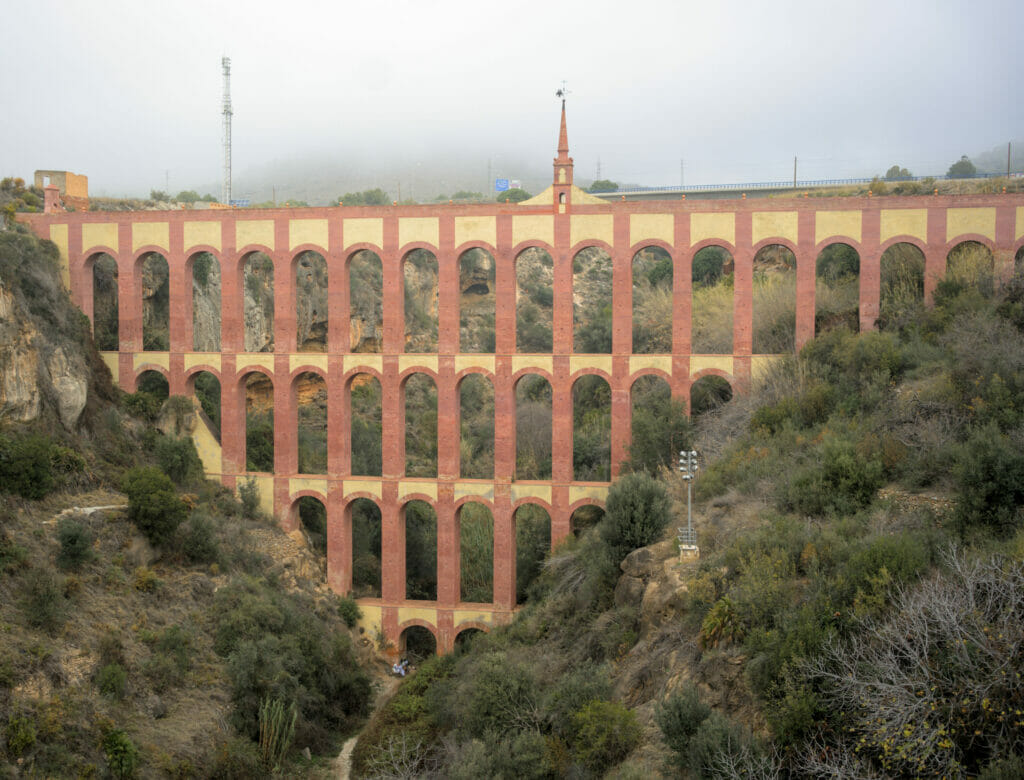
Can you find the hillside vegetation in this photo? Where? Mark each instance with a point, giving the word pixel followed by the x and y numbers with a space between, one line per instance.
pixel 856 611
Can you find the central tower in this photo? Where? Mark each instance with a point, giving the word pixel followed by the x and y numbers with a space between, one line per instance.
pixel 562 182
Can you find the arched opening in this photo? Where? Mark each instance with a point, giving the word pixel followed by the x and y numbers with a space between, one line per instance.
pixel 533 543
pixel 837 288
pixel 465 638
pixel 970 265
pixel 476 427
pixel 259 422
pixel 366 549
pixel 105 303
pixel 153 383
pixel 365 431
pixel 533 427
pixel 311 302
pixel 708 394
pixel 206 389
pixel 774 300
pixel 258 302
pixel 535 300
pixel 476 553
pixel 313 517
pixel 366 302
pixel 311 419
pixel 1018 261
pixel 156 302
pixel 660 427
pixel 420 396
pixel 476 301
pixel 901 295
pixel 592 429
pixel 652 301
pixel 584 518
pixel 417 644
pixel 420 551
pixel 592 301
pixel 420 273
pixel 205 302
pixel 711 318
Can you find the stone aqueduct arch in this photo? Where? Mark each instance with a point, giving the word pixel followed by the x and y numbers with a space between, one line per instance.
pixel 561 220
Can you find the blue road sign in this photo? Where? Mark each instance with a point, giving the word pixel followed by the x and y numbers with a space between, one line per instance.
pixel 500 185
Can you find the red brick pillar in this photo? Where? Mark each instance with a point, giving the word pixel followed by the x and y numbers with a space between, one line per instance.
pixel 504 596
pixel 562 326
pixel 232 300
pixel 561 421
pixel 448 414
pixel 393 297
pixel 622 413
pixel 392 421
pixel 870 275
pixel 504 420
pixel 129 309
pixel 285 336
pixel 682 302
pixel 339 539
pixel 180 305
pixel 504 290
pixel 338 311
pixel 743 286
pixel 79 272
pixel 448 293
pixel 622 302
pixel 392 546
pixel 286 421
pixel 806 260
pixel 560 515
pixel 339 419
pixel 935 252
pixel 448 545
pixel 232 417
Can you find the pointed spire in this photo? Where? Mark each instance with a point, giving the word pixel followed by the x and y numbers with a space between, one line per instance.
pixel 563 138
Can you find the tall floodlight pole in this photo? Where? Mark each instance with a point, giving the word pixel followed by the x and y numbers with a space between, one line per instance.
pixel 688 467
pixel 225 63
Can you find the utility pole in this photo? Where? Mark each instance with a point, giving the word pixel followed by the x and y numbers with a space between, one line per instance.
pixel 682 172
pixel 225 63
pixel 1008 145
pixel 598 176
pixel 167 181
pixel 489 185
pixel 794 172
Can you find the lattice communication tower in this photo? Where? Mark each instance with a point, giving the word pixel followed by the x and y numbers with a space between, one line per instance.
pixel 226 65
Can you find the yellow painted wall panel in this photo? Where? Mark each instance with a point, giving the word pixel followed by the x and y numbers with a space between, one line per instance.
pixel 207 232
pixel 417 361
pixel 904 222
pixel 541 362
pixel 408 487
pixel 643 227
pixel 112 359
pixel 371 618
pixel 349 362
pixel 298 484
pixel 371 486
pixel 579 492
pixel 413 229
pixel 405 614
pixel 703 362
pixel 254 231
pixel 479 489
pixel 640 362
pixel 162 359
pixel 962 221
pixel 193 359
pixel 461 616
pixel 774 224
pixel 1020 222
pixel 363 231
pixel 99 234
pixel 837 223
pixel 317 359
pixel 265 490
pixel 521 490
pixel 253 359
pixel 59 236
pixel 587 227
pixel 533 227
pixel 704 226
pixel 601 362
pixel 150 234
pixel 307 231
pixel 462 362
pixel 476 229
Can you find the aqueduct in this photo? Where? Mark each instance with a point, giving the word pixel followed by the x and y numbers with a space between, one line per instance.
pixel 562 221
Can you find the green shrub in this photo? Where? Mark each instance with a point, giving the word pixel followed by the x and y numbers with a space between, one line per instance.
pixel 143 405
pixel 636 513
pixel 122 755
pixel 277 729
pixel 716 735
pixel 25 466
pixel 349 610
pixel 75 543
pixel 178 459
pixel 199 540
pixel 112 680
pixel 841 481
pixel 153 503
pixel 249 495
pixel 20 734
pixel 679 717
pixel 237 759
pixel 42 600
pixel 606 732
pixel 989 474
pixel 571 693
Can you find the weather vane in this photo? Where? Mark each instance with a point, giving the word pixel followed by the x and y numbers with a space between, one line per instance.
pixel 562 92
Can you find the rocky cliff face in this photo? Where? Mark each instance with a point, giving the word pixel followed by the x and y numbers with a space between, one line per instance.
pixel 48 366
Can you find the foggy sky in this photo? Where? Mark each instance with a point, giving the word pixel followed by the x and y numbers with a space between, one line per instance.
pixel 126 92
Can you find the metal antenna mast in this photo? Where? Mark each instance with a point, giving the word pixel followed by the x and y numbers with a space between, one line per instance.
pixel 226 65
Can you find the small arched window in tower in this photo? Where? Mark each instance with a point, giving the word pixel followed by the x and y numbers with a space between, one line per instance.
pixel 561 197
